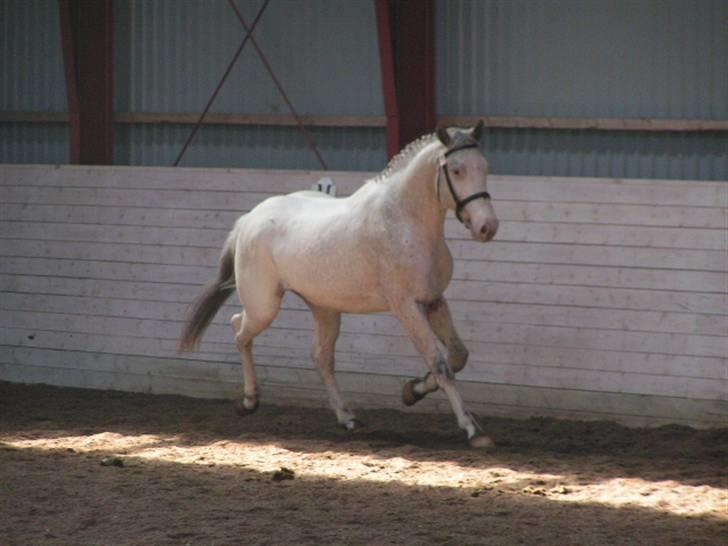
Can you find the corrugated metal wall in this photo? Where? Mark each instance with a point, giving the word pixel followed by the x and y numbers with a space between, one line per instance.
pixel 31 80
pixel 324 52
pixel 613 154
pixel 622 58
pixel 252 147
pixel 575 58
pixel 641 58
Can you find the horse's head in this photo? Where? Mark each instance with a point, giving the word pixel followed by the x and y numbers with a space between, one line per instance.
pixel 463 171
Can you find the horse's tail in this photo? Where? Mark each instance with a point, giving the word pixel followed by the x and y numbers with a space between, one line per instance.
pixel 204 308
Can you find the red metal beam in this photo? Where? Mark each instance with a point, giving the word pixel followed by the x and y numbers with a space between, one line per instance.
pixel 389 86
pixel 413 38
pixel 95 81
pixel 86 32
pixel 406 30
pixel 68 41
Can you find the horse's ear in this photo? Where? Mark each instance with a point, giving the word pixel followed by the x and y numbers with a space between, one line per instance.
pixel 478 131
pixel 444 136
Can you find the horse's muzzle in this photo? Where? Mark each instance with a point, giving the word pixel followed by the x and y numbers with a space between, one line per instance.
pixel 485 231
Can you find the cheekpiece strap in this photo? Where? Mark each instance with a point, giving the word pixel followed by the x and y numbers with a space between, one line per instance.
pixel 459 204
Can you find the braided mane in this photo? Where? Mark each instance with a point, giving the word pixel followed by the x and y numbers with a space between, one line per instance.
pixel 405 155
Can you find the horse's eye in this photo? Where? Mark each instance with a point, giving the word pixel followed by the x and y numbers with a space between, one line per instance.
pixel 456 172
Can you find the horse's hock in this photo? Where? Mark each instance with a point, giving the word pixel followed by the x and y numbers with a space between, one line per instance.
pixel 598 299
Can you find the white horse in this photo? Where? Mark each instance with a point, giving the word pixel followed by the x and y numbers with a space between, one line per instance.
pixel 381 249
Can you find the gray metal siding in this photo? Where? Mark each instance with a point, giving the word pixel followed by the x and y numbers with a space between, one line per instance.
pixel 32 80
pixel 612 154
pixel 34 143
pixel 589 58
pixel 324 52
pixel 170 55
pixel 250 147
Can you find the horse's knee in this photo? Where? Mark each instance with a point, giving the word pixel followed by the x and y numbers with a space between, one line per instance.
pixel 443 373
pixel 442 370
pixel 458 357
pixel 435 306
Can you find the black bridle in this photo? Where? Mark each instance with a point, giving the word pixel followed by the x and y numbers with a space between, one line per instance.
pixel 459 205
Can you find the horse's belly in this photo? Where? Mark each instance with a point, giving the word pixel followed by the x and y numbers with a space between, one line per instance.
pixel 358 304
pixel 335 285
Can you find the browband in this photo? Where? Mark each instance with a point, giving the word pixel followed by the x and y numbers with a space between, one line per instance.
pixel 461 147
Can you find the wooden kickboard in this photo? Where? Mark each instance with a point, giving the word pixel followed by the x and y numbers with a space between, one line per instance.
pixel 599 298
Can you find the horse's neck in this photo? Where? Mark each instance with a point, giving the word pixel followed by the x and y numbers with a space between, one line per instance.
pixel 414 188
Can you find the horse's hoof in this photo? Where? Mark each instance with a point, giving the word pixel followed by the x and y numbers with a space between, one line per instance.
pixel 409 395
pixel 481 441
pixel 351 425
pixel 243 409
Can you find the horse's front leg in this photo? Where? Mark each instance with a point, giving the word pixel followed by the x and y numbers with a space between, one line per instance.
pixel 438 314
pixel 413 317
pixel 440 319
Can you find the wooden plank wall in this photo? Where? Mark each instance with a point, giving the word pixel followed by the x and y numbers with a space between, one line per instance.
pixel 599 298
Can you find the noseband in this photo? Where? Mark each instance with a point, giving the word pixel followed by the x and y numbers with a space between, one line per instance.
pixel 459 205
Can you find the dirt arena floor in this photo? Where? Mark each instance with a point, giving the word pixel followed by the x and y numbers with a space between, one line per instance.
pixel 94 467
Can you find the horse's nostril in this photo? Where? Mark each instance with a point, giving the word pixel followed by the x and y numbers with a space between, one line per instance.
pixel 484 229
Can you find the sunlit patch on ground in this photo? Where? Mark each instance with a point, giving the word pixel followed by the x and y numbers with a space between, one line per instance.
pixel 669 496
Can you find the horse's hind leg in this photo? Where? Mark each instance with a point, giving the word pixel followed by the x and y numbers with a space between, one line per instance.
pixel 246 325
pixel 440 319
pixel 322 353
